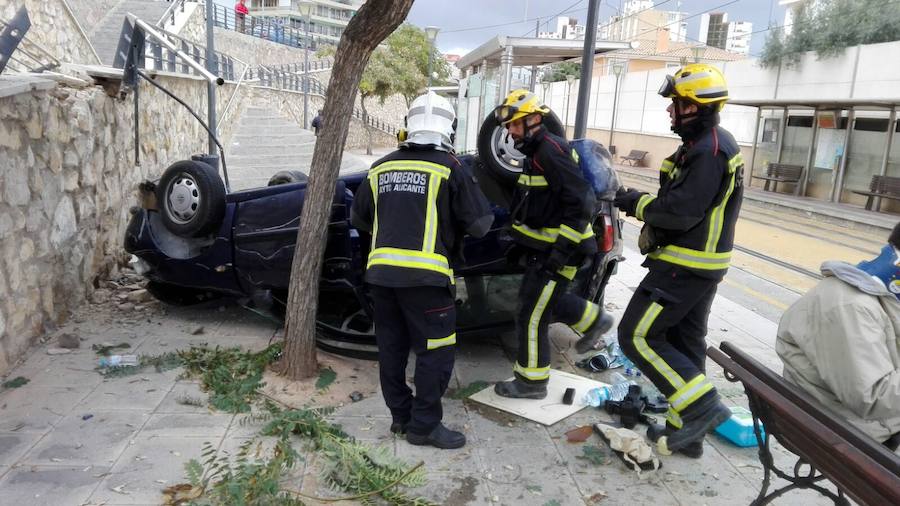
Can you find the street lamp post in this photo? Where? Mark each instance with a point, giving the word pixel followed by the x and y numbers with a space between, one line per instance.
pixel 570 79
pixel 698 51
pixel 617 69
pixel 305 9
pixel 431 33
pixel 546 86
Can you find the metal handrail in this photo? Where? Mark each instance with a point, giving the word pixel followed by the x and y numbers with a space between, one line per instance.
pixel 224 17
pixel 170 13
pixel 194 59
pixel 83 33
pixel 240 82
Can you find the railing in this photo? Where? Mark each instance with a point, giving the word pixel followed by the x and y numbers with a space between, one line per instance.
pixel 160 57
pixel 16 48
pixel 376 123
pixel 169 17
pixel 265 28
pixel 288 68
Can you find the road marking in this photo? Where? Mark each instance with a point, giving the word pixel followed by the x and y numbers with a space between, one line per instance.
pixel 757 295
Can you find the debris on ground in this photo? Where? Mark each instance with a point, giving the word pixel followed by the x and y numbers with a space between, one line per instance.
pixel 594 455
pixel 68 341
pixel 579 434
pixel 58 351
pixel 86 417
pixel 466 391
pixel 16 382
pixel 596 498
pixel 140 296
pixel 196 331
pixel 326 378
pixel 106 349
pixel 356 396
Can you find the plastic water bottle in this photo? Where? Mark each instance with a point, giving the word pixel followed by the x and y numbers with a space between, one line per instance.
pixel 119 361
pixel 597 397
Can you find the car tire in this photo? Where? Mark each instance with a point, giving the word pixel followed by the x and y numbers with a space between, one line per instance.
pixel 497 152
pixel 191 198
pixel 288 177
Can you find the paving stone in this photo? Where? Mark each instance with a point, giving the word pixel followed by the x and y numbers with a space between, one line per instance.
pixel 372 406
pixel 462 461
pixel 131 392
pixel 147 467
pixel 14 444
pixel 37 408
pixel 50 485
pixel 368 429
pixel 96 441
pixel 182 391
pixel 209 425
pixel 463 489
pixel 75 370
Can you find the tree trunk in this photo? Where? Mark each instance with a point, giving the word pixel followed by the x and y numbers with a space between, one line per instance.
pixel 368 128
pixel 374 21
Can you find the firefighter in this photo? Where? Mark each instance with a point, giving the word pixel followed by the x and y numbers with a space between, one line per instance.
pixel 687 236
pixel 418 202
pixel 552 210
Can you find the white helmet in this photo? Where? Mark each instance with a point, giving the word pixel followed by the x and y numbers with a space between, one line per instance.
pixel 431 120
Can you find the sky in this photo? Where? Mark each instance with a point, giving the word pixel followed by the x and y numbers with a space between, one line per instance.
pixel 466 24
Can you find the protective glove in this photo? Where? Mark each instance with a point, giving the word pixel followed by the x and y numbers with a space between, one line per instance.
pixel 648 241
pixel 626 199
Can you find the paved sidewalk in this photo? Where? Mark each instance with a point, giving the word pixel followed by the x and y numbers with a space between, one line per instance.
pixel 71 437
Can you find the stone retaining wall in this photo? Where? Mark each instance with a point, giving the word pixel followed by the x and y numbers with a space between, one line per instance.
pixel 67 181
pixel 54 29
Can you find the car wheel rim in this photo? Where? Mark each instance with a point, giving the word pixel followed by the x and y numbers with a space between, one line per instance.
pixel 504 151
pixel 183 197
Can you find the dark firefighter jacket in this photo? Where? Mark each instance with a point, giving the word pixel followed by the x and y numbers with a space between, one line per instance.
pixel 553 204
pixel 694 215
pixel 418 203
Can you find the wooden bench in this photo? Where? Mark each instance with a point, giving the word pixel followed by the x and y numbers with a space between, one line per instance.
pixel 636 157
pixel 881 186
pixel 782 173
pixel 832 448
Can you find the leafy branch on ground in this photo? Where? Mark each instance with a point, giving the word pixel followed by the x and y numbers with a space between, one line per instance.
pixel 16 382
pixel 256 476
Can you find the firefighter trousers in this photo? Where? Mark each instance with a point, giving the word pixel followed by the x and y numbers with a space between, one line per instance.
pixel 663 332
pixel 543 299
pixel 423 320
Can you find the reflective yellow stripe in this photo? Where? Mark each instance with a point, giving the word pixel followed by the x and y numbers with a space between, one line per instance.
pixel 591 312
pixel 640 342
pixel 568 272
pixel 526 180
pixel 717 216
pixel 411 259
pixel 532 373
pixel 406 165
pixel 575 156
pixel 534 322
pixel 643 202
pixel 687 394
pixel 692 258
pixel 666 166
pixel 674 418
pixel 569 233
pixel 431 215
pixel 440 343
pixel 374 184
pixel 735 162
pixel 549 234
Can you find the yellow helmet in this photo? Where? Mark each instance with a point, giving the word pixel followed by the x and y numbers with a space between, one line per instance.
pixel 700 83
pixel 518 104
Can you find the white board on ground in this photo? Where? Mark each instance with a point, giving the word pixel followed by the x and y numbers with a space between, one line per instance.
pixel 545 411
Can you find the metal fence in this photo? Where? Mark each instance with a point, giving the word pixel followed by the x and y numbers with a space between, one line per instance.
pixel 159 57
pixel 21 54
pixel 266 28
pixel 169 17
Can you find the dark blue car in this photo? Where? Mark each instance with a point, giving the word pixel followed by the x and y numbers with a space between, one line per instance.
pixel 191 238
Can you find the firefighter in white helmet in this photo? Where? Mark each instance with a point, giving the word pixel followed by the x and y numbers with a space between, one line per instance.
pixel 418 202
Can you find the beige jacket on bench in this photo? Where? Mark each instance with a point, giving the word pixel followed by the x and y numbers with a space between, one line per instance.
pixel 841 343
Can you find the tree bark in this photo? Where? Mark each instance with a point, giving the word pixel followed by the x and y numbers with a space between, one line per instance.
pixel 374 21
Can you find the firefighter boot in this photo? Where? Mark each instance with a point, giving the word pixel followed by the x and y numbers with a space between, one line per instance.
pixel 440 437
pixel 657 430
pixel 518 389
pixel 594 335
pixel 398 427
pixel 697 422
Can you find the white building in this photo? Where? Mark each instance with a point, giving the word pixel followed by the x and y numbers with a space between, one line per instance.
pixel 327 21
pixel 793 7
pixel 739 35
pixel 566 28
pixel 639 21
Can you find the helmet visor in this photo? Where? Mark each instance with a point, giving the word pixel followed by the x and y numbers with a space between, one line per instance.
pixel 505 113
pixel 667 89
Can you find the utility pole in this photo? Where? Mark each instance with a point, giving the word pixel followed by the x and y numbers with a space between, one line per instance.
pixel 211 66
pixel 587 70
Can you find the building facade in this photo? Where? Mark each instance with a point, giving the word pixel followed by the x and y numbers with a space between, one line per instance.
pixel 639 21
pixel 717 31
pixel 328 20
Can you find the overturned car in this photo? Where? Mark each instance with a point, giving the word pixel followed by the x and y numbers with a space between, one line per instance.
pixel 191 238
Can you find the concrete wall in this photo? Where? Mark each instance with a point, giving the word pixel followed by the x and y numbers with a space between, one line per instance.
pixel 55 29
pixel 89 12
pixel 67 180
